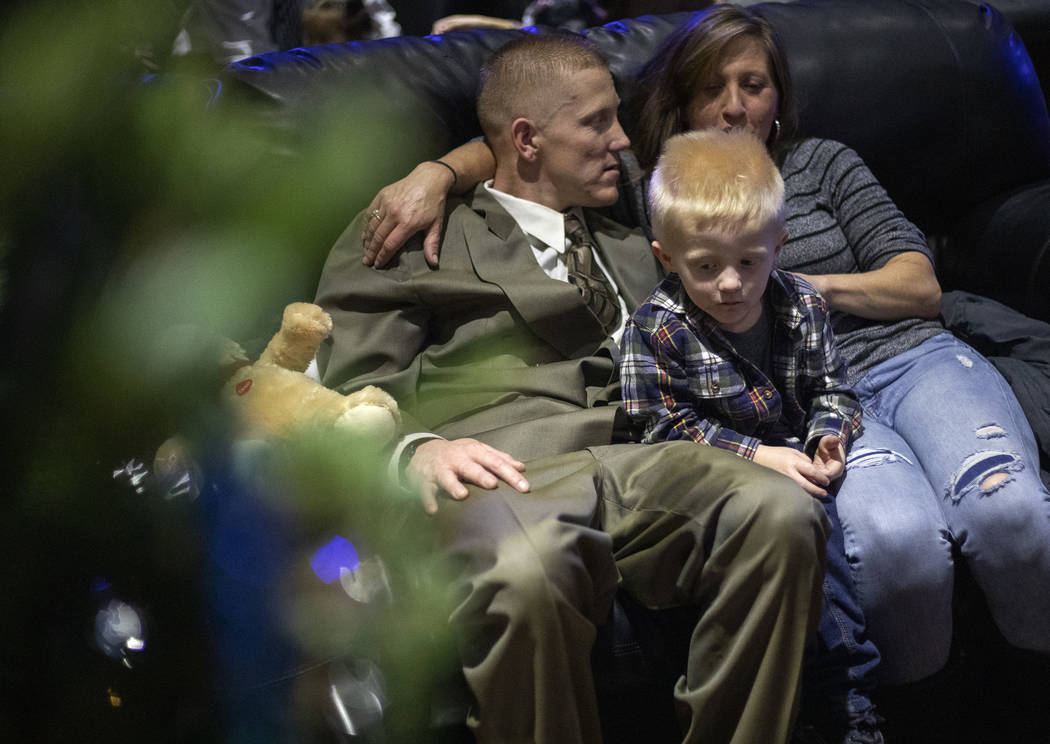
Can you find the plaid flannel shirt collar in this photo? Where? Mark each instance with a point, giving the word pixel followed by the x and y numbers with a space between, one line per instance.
pixel 781 289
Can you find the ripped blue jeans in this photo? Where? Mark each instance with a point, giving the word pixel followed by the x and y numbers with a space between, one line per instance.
pixel 946 459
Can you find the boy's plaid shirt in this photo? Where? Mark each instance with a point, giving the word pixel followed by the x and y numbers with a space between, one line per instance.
pixel 682 379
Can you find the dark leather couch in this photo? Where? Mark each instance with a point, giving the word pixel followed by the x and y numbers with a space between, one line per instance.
pixel 938 96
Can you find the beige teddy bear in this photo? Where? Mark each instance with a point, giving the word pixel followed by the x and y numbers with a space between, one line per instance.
pixel 275 396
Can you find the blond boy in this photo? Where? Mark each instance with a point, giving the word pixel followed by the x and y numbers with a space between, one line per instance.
pixel 730 352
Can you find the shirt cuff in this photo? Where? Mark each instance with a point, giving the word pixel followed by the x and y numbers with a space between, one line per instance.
pixel 407 446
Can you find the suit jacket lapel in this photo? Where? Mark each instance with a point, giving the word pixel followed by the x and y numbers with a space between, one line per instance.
pixel 553 310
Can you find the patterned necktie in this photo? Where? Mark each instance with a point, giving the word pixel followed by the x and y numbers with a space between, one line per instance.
pixel 588 277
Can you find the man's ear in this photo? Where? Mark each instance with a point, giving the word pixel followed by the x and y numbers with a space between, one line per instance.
pixel 523 134
pixel 662 256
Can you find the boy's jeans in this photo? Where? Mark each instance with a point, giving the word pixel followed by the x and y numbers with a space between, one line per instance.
pixel 839 669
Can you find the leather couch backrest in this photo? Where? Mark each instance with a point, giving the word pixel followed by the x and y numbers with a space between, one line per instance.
pixel 938 96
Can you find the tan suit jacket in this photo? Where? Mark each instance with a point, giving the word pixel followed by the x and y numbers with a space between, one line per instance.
pixel 488 346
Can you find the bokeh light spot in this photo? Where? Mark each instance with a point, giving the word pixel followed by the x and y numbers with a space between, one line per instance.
pixel 330 561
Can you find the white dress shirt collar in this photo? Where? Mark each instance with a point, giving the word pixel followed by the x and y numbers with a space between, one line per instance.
pixel 537 220
pixel 548 226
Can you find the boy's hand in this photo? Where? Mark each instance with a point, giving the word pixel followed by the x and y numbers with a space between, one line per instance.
pixel 795 465
pixel 830 457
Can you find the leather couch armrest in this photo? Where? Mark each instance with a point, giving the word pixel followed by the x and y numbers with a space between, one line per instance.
pixel 1002 251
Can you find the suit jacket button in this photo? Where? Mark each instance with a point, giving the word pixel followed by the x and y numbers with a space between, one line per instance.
pixel 767 393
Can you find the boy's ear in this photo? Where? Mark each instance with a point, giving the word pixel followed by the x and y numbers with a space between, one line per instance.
pixel 523 134
pixel 661 255
pixel 783 241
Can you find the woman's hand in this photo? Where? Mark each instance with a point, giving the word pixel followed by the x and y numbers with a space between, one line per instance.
pixel 400 210
pixel 417 202
pixel 795 465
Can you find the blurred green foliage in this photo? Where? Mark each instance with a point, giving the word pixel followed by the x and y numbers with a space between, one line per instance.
pixel 139 218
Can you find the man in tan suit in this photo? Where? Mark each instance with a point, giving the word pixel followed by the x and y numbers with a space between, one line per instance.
pixel 506 373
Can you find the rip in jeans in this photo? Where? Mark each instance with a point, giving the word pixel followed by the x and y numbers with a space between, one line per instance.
pixel 870 457
pixel 983 472
pixel 990 431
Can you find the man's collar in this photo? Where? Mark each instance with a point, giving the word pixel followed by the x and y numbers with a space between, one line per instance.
pixel 542 222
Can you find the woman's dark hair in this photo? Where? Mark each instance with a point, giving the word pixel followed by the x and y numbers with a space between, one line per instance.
pixel 685 60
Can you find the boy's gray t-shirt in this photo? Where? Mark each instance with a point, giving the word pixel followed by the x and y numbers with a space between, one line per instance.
pixel 756 346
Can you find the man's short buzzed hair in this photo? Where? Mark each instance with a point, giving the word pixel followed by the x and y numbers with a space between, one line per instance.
pixel 714 180
pixel 517 79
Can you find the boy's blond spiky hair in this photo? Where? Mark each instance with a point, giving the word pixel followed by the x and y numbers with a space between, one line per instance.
pixel 714 180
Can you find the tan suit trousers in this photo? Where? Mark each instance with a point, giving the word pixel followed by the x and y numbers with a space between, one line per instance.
pixel 675 524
